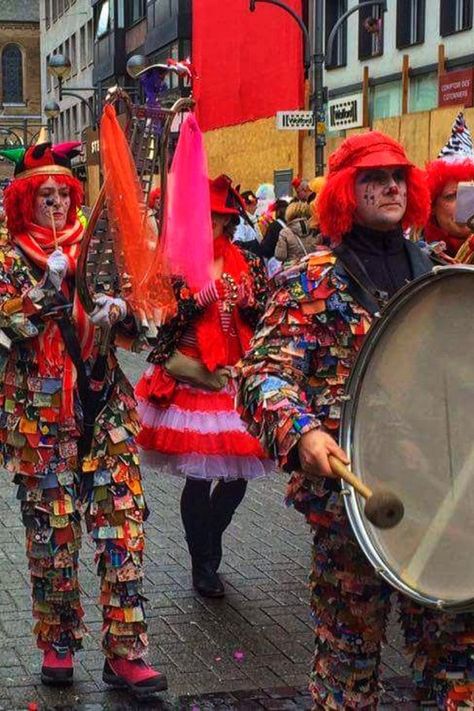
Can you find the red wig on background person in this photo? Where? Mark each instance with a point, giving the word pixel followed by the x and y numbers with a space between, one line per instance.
pixel 455 164
pixel 154 196
pixel 336 203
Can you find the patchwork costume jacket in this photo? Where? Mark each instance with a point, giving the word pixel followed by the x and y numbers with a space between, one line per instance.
pixel 39 440
pixel 293 380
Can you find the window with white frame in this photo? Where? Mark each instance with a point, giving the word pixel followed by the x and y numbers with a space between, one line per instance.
pixel 410 22
pixel 333 12
pixel 455 16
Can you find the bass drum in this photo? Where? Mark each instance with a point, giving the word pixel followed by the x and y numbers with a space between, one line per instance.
pixel 408 425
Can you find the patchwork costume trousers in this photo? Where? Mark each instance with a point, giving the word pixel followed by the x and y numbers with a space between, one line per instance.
pixel 350 605
pixel 106 491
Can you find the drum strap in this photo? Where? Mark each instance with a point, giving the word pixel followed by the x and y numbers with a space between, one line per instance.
pixel 372 299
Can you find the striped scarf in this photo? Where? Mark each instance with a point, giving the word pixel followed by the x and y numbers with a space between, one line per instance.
pixel 37 243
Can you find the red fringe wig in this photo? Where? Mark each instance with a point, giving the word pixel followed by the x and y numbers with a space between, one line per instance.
pixel 19 200
pixel 336 202
pixel 154 195
pixel 441 171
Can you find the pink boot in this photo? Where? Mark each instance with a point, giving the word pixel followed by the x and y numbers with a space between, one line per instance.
pixel 57 669
pixel 136 675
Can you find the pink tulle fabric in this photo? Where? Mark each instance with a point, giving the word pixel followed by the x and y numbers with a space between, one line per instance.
pixel 209 466
pixel 187 229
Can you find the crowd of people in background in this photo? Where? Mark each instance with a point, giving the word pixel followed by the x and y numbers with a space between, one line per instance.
pixel 280 229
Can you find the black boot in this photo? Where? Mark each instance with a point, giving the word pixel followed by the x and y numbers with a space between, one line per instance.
pixel 205 579
pixel 225 498
pixel 196 516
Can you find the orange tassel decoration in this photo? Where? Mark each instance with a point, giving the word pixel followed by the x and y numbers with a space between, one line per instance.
pixel 145 281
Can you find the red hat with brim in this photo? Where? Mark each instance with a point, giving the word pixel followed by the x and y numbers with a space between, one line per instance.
pixel 368 150
pixel 225 200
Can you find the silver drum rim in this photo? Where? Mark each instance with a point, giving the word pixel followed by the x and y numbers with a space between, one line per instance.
pixel 352 501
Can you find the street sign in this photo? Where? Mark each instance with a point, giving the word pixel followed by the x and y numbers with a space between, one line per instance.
pixel 295 120
pixel 456 88
pixel 345 112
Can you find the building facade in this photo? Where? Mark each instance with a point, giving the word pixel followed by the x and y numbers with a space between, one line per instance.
pixel 152 28
pixel 20 85
pixel 67 29
pixel 411 75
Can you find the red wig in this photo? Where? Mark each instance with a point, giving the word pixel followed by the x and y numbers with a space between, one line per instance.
pixel 336 203
pixel 441 171
pixel 19 200
pixel 155 194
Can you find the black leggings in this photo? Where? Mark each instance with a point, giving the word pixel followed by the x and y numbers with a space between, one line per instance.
pixel 206 515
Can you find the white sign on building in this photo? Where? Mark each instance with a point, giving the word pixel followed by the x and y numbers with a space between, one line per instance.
pixel 295 120
pixel 345 112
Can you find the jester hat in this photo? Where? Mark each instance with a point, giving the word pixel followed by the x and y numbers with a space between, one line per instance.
pixel 42 159
pixel 455 161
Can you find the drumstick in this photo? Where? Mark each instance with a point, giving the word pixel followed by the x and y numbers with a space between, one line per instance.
pixel 50 203
pixel 382 507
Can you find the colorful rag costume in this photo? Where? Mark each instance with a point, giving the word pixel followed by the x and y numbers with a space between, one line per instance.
pixel 187 396
pixel 41 429
pixel 197 432
pixel 293 381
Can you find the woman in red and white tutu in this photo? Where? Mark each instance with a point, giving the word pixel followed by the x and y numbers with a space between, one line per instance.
pixel 187 397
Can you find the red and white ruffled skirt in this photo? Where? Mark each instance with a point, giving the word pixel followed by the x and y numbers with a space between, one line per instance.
pixel 196 433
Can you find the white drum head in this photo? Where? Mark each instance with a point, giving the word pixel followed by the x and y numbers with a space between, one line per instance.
pixel 409 426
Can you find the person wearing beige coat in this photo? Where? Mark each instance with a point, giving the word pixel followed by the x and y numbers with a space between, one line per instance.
pixel 297 239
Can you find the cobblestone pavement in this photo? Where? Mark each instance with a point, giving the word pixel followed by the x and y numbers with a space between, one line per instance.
pixel 250 650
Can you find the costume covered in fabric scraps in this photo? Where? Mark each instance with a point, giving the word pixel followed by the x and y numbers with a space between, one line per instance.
pixel 186 397
pixel 293 385
pixel 48 347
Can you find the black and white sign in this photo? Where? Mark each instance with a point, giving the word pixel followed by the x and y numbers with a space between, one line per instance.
pixel 295 120
pixel 345 112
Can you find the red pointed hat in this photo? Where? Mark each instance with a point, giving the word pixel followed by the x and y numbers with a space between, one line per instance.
pixel 368 150
pixel 225 200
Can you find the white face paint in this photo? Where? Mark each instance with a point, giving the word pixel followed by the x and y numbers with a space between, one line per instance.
pixel 381 197
pixel 52 202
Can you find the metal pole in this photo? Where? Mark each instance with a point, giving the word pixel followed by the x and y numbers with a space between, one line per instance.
pixel 297 18
pixel 318 87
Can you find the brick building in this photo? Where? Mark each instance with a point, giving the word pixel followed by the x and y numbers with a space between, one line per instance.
pixel 20 84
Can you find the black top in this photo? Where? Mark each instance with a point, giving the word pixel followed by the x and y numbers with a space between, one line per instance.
pixel 269 242
pixel 384 256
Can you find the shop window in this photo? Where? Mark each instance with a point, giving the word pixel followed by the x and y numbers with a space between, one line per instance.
pixel 410 22
pixel 455 16
pixel 12 74
pixel 334 10
pixel 370 32
pixel 423 92
pixel 386 100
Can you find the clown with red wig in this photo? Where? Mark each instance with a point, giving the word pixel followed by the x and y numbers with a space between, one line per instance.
pixel 303 352
pixel 49 345
pixel 455 164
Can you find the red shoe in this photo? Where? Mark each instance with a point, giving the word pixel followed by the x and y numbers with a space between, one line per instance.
pixel 57 670
pixel 136 675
